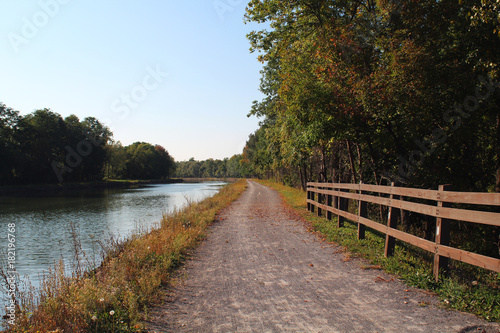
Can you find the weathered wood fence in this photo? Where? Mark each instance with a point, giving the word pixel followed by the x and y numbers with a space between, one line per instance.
pixel 333 199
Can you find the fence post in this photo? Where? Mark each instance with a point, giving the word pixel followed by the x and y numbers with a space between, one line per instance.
pixel 442 235
pixel 362 212
pixel 308 198
pixel 340 219
pixel 313 198
pixel 335 200
pixel 392 221
pixel 329 203
pixel 320 201
pixel 343 205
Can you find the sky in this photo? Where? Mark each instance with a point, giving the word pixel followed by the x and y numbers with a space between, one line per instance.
pixel 174 73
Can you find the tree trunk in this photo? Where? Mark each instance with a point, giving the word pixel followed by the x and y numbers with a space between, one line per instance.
pixel 360 163
pixel 323 176
pixel 373 163
pixel 335 164
pixel 496 233
pixel 497 188
pixel 303 176
pixel 351 160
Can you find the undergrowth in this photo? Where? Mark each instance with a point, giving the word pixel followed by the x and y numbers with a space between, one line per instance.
pixel 114 297
pixel 467 288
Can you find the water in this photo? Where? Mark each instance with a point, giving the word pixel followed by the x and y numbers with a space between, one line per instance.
pixel 42 224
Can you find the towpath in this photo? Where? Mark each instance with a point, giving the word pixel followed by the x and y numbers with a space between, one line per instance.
pixel 260 270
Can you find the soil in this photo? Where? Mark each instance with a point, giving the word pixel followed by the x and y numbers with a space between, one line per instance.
pixel 261 270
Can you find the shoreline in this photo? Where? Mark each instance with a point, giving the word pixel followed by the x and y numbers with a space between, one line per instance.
pixel 136 268
pixel 56 189
pixel 52 189
pixel 199 180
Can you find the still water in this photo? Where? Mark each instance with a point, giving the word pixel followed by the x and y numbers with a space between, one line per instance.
pixel 42 224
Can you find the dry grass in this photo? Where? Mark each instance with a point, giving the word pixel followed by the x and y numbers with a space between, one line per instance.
pixel 114 297
pixel 476 291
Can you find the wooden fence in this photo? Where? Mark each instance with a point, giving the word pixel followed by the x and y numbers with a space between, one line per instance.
pixel 334 199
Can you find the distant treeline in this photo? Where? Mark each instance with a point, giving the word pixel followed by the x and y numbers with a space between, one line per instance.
pixel 227 168
pixel 43 148
pixel 378 91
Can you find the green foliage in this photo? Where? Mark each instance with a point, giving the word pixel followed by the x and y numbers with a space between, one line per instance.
pixel 227 168
pixel 8 122
pixel 142 160
pixel 366 90
pixel 42 147
pixel 39 144
pixel 469 288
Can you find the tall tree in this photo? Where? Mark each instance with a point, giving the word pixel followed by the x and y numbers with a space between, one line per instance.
pixel 9 160
pixel 351 78
pixel 41 137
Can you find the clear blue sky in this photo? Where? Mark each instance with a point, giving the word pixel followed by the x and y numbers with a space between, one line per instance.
pixel 174 73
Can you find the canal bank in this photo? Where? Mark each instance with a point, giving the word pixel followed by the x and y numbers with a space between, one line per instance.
pixel 45 225
pixel 62 188
pixel 114 296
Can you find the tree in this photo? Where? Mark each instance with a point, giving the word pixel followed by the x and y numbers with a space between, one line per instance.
pixel 345 81
pixel 9 119
pixel 41 139
pixel 115 167
pixel 165 164
pixel 145 161
pixel 42 147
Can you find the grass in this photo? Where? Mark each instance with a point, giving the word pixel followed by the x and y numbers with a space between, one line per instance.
pixel 468 288
pixel 114 297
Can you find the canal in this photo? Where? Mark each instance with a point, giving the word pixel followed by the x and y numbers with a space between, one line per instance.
pixel 45 226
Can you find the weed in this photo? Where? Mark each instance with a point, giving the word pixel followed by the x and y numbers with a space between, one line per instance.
pixel 468 288
pixel 114 296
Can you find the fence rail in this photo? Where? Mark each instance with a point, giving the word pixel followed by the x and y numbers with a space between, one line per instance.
pixel 333 198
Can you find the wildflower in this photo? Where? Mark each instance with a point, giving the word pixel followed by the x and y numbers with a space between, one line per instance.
pixel 94 318
pixel 112 312
pixel 474 283
pixel 101 300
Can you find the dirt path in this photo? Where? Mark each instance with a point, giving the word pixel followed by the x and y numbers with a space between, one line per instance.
pixel 260 270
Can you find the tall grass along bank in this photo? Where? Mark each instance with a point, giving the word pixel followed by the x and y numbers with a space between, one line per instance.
pixel 114 296
pixel 468 288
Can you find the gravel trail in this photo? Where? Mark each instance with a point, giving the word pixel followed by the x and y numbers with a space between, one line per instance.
pixel 260 270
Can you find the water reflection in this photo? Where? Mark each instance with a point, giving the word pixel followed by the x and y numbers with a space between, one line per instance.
pixel 43 232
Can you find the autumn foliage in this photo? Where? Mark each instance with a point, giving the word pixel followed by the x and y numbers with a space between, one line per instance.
pixel 378 91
